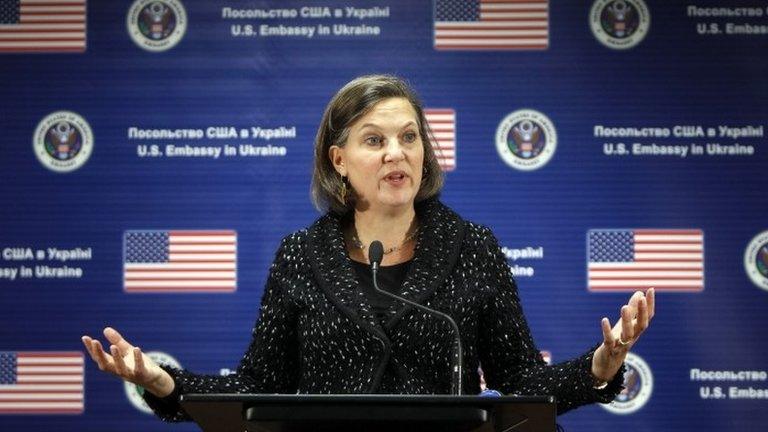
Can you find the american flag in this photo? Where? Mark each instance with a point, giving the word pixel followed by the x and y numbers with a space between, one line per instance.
pixel 42 25
pixel 180 261
pixel 491 24
pixel 443 125
pixel 632 259
pixel 41 382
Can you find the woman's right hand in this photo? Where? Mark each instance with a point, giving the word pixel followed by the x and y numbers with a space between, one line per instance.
pixel 129 363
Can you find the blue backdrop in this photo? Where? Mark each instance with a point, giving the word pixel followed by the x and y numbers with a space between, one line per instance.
pixel 568 123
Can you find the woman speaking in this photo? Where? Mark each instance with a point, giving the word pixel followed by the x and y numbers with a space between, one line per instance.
pixel 323 327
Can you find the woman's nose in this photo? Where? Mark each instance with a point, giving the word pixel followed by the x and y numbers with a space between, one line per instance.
pixel 394 151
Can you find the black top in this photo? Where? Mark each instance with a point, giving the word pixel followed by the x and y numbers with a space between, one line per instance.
pixel 389 278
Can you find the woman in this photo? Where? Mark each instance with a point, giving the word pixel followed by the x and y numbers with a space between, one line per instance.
pixel 322 328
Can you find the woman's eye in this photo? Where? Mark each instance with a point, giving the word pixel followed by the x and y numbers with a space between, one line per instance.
pixel 410 137
pixel 373 140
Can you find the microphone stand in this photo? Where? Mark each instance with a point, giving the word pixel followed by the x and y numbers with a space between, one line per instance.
pixel 375 255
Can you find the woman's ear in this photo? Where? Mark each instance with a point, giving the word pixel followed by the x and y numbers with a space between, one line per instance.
pixel 336 154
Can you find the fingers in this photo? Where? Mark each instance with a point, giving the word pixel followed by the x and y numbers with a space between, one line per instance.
pixel 634 301
pixel 100 357
pixel 120 367
pixel 627 329
pixel 104 361
pixel 611 337
pixel 608 338
pixel 117 339
pixel 642 317
pixel 650 297
pixel 87 343
pixel 138 362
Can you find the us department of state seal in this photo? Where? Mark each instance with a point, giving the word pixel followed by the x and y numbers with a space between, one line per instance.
pixel 156 25
pixel 619 24
pixel 526 139
pixel 756 260
pixel 63 141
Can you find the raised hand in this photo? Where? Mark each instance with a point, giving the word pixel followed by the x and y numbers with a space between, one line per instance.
pixel 129 363
pixel 617 341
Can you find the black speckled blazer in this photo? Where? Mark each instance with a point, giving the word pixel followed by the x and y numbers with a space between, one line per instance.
pixel 317 333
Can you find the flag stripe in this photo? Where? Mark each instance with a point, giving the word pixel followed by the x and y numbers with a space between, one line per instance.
pixel 180 235
pixel 655 246
pixel 632 273
pixel 490 42
pixel 40 28
pixel 41 411
pixel 49 45
pixel 45 370
pixel 48 378
pixel 44 18
pixel 55 34
pixel 640 285
pixel 53 8
pixel 647 278
pixel 40 407
pixel 52 2
pixel 482 34
pixel 182 273
pixel 206 262
pixel 182 283
pixel 509 1
pixel 657 287
pixel 49 361
pixel 531 15
pixel 491 25
pixel 187 281
pixel 192 249
pixel 507 6
pixel 181 266
pixel 38 387
pixel 40 397
pixel 486 47
pixel 164 289
pixel 645 266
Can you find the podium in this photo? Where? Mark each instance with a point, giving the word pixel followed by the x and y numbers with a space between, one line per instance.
pixel 370 413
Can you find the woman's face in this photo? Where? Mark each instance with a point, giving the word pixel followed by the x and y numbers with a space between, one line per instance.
pixel 383 156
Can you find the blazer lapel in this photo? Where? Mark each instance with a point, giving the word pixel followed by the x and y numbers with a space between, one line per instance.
pixel 333 271
pixel 440 236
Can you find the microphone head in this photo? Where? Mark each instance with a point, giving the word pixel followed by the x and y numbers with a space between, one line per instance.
pixel 375 253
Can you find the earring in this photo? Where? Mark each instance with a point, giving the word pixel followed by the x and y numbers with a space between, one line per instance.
pixel 343 192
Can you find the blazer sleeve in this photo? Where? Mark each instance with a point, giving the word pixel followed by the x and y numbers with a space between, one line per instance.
pixel 510 360
pixel 270 365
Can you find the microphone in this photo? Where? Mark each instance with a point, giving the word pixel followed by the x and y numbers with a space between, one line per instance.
pixel 375 255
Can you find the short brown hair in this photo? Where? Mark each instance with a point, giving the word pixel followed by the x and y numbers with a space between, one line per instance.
pixel 353 101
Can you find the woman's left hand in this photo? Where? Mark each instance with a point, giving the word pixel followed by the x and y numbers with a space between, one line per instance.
pixel 635 318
